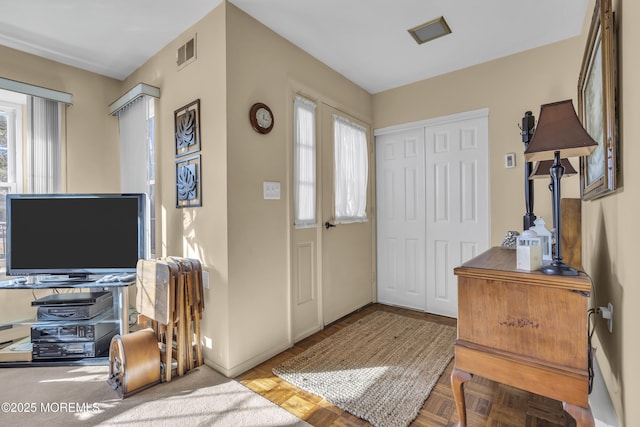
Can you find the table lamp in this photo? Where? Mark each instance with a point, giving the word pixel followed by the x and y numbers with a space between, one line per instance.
pixel 542 169
pixel 559 134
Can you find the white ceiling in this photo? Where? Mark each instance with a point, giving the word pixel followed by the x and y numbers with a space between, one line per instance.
pixel 364 40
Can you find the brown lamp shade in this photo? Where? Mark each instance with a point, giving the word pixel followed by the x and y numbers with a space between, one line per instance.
pixel 559 129
pixel 541 168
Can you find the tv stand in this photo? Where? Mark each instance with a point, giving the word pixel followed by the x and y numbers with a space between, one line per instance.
pixel 120 316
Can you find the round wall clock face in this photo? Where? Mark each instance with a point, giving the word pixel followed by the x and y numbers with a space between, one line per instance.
pixel 261 118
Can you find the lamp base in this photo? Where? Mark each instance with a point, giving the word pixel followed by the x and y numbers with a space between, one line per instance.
pixel 559 268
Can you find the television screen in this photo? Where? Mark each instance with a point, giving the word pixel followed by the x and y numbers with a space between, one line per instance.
pixel 75 234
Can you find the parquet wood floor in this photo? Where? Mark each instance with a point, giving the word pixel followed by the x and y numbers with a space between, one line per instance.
pixel 488 403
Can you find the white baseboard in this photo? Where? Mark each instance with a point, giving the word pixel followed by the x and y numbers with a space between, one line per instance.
pixel 600 401
pixel 248 364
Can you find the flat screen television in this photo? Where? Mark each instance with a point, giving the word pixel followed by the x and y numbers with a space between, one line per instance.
pixel 76 235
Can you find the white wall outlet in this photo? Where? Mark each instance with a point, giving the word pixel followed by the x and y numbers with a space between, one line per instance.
pixel 271 190
pixel 205 279
pixel 607 313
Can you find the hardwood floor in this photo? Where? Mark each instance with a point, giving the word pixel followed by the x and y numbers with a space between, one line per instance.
pixel 488 403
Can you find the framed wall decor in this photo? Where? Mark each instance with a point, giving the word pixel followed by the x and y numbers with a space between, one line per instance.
pixel 188 182
pixel 187 128
pixel 597 101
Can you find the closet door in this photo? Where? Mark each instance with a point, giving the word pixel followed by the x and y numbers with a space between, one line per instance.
pixel 401 225
pixel 457 206
pixel 433 208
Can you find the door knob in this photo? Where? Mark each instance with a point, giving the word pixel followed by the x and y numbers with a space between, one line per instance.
pixel 328 225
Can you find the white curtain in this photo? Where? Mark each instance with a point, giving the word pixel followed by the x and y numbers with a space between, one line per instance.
pixel 134 154
pixel 304 168
pixel 44 151
pixel 351 169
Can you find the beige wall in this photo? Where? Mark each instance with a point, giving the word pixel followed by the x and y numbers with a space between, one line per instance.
pixel 509 87
pixel 92 135
pixel 199 232
pixel 241 239
pixel 269 72
pixel 91 140
pixel 610 236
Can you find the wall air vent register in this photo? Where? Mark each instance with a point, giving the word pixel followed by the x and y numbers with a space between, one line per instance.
pixel 186 53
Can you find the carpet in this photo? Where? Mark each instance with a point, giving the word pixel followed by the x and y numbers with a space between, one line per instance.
pixel 80 396
pixel 380 368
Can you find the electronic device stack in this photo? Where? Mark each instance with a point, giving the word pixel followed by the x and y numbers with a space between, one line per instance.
pixel 73 325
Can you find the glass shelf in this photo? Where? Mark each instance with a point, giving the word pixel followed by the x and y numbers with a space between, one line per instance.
pixel 107 317
pixel 11 284
pixel 117 313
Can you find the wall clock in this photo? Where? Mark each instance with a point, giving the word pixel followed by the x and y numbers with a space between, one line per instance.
pixel 261 118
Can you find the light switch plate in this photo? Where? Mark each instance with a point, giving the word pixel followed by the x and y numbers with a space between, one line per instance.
pixel 271 190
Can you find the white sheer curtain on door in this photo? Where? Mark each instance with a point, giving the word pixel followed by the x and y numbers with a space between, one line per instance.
pixel 304 162
pixel 351 169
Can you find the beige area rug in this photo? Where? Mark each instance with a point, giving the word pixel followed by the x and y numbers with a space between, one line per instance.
pixel 381 368
pixel 80 396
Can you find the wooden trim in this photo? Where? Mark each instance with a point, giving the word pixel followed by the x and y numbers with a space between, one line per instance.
pixel 498 263
pixel 564 384
pixel 467 115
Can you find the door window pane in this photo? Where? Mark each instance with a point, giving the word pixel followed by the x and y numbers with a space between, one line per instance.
pixel 304 162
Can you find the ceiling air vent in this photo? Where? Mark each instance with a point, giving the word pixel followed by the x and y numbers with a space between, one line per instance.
pixel 186 53
pixel 430 30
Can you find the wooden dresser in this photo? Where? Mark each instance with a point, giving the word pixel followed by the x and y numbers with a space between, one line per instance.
pixel 524 329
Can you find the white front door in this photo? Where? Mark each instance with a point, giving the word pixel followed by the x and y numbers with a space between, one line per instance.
pixel 433 208
pixel 306 293
pixel 347 248
pixel 332 268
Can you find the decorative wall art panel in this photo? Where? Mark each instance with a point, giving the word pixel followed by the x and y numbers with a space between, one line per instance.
pixel 187 129
pixel 188 182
